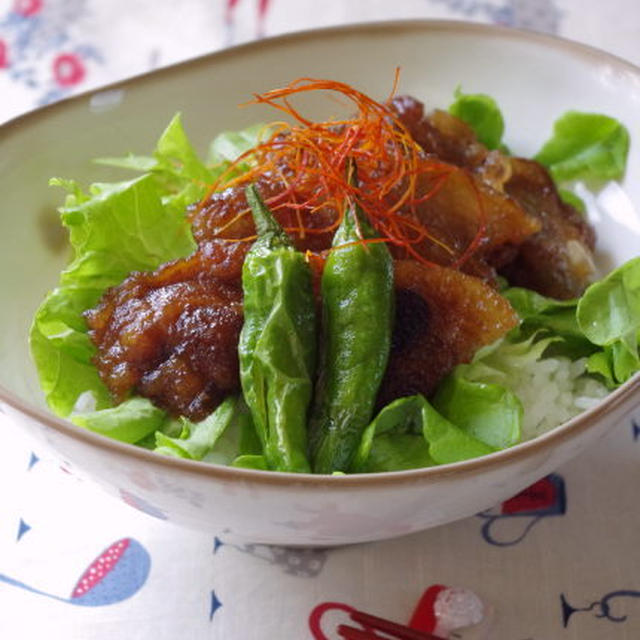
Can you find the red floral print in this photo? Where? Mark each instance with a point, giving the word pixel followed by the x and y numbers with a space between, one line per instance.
pixel 27 7
pixel 4 55
pixel 68 69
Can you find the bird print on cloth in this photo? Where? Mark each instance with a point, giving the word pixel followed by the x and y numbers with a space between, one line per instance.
pixel 116 574
pixel 510 523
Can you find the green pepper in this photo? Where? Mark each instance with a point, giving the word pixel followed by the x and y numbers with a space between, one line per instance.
pixel 357 309
pixel 277 348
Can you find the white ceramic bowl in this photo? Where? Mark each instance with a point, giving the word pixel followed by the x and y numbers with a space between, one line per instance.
pixel 534 78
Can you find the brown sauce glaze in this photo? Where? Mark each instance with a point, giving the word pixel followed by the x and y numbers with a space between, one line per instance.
pixel 172 335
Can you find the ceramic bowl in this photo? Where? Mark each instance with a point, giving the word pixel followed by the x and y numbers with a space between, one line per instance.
pixel 533 77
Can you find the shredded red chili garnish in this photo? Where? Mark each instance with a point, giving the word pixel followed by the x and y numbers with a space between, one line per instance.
pixel 394 174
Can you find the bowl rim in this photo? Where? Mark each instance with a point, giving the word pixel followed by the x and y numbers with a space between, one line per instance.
pixel 580 423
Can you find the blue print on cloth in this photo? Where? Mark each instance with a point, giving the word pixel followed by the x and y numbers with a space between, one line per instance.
pixel 541 15
pixel 116 574
pixel 519 514
pixel 215 604
pixel 23 527
pixel 33 460
pixel 304 563
pixel 602 608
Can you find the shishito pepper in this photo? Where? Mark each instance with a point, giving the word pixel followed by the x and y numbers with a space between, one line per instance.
pixel 357 311
pixel 277 348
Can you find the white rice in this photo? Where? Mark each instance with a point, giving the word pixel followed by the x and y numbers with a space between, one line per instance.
pixel 552 391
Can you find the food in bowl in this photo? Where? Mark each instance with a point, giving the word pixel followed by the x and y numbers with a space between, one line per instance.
pixel 415 295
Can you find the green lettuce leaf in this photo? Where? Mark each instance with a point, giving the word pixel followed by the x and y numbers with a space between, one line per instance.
pixel 532 306
pixel 171 427
pixel 178 168
pixel 197 439
pixel 587 146
pixel 173 158
pixel 609 316
pixel 603 325
pixel 397 452
pixel 497 364
pixel 130 161
pixel 222 437
pixel 615 364
pixel 448 442
pixel 62 351
pixel 482 114
pixel 393 440
pixel 114 229
pixel 176 157
pixel 600 363
pixel 546 317
pixel 609 310
pixel 258 462
pixel 409 433
pixel 489 412
pixel 182 178
pixel 229 145
pixel 130 421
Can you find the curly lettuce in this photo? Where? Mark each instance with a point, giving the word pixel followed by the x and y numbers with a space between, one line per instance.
pixel 114 229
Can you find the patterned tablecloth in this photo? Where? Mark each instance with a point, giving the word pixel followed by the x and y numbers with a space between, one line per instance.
pixel 559 561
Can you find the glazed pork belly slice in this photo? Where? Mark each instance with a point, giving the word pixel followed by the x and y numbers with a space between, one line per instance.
pixel 442 318
pixel 172 335
pixel 226 214
pixel 463 210
pixel 556 260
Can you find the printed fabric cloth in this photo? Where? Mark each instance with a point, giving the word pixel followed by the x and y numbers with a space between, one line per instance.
pixel 558 561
